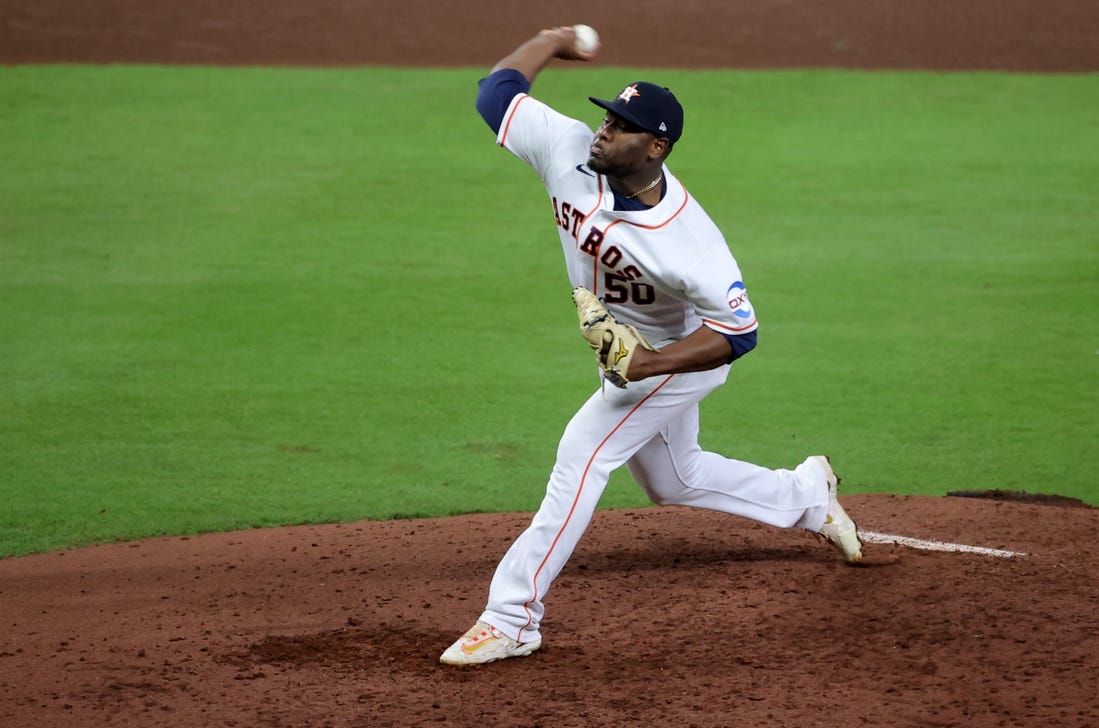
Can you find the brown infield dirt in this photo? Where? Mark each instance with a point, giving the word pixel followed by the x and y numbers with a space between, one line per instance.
pixel 664 616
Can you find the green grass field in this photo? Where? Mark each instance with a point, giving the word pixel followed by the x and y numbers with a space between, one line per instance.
pixel 250 297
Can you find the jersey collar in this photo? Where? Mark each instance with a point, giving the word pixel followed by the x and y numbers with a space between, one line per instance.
pixel 674 200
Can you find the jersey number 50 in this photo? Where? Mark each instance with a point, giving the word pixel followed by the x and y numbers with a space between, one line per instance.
pixel 621 289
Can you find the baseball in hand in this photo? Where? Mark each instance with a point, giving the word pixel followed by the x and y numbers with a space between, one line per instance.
pixel 587 40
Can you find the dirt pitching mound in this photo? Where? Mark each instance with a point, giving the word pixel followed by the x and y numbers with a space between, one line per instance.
pixel 664 616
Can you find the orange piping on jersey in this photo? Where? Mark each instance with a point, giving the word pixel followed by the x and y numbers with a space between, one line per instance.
pixel 572 509
pixel 595 258
pixel 719 325
pixel 598 202
pixel 674 215
pixel 686 199
pixel 507 124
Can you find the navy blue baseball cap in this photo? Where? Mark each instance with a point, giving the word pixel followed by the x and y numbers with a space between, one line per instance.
pixel 653 108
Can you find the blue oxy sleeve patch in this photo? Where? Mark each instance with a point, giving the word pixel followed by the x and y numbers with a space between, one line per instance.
pixel 738 301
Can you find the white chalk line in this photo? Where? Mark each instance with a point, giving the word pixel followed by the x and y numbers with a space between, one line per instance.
pixel 918 543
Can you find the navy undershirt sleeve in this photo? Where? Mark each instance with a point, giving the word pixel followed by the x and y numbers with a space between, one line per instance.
pixel 495 92
pixel 741 343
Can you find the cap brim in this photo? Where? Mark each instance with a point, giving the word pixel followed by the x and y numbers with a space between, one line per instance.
pixel 624 113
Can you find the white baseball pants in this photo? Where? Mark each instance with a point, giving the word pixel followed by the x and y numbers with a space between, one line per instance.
pixel 651 426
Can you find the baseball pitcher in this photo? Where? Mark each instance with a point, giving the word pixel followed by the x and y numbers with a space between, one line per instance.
pixel 661 301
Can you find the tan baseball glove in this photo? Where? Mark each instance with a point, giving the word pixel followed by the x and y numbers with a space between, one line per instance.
pixel 614 343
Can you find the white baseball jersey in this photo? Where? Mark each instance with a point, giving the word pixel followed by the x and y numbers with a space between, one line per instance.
pixel 666 270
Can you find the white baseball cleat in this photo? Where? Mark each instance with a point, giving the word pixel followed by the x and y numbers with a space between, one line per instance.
pixel 484 643
pixel 838 527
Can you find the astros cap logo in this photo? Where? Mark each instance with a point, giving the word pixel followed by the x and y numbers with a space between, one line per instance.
pixel 628 93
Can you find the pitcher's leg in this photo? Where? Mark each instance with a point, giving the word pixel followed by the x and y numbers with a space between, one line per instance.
pixel 599 438
pixel 534 560
pixel 674 470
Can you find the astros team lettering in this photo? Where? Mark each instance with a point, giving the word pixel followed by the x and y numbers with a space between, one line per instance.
pixel 568 217
pixel 619 286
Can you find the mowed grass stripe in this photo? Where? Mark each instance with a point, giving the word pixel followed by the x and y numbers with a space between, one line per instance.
pixel 247 297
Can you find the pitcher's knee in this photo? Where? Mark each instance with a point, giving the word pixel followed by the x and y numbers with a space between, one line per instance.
pixel 664 499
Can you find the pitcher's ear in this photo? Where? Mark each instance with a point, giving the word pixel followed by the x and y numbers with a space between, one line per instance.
pixel 660 148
